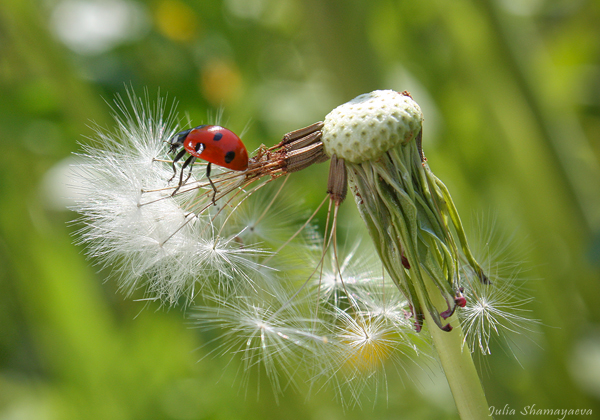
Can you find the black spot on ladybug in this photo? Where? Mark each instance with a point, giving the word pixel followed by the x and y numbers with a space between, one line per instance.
pixel 229 156
pixel 199 147
pixel 218 136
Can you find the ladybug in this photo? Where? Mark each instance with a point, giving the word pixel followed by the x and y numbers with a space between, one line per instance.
pixel 212 143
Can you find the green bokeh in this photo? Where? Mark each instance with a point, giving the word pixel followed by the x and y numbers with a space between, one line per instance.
pixel 511 95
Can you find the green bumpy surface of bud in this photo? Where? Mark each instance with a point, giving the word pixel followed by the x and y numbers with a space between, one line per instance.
pixel 371 124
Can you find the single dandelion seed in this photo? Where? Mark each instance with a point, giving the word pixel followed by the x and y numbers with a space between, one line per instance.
pixel 367 341
pixel 500 312
pixel 494 312
pixel 363 348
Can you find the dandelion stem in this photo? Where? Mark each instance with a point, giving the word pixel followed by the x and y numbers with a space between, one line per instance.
pixel 456 360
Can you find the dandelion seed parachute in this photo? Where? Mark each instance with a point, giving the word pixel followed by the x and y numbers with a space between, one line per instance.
pixel 499 311
pixel 494 312
pixel 267 331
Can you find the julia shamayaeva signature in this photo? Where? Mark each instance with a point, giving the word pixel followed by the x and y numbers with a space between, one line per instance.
pixel 533 410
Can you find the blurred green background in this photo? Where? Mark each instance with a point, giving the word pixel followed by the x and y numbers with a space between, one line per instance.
pixel 510 90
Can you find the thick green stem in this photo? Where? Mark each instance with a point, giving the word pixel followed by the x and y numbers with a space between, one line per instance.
pixel 457 363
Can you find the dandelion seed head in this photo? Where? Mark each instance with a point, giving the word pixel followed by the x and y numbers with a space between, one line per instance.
pixel 282 307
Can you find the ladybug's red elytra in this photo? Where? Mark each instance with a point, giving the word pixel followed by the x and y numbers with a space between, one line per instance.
pixel 212 143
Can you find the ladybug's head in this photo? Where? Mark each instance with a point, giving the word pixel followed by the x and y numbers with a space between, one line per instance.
pixel 176 142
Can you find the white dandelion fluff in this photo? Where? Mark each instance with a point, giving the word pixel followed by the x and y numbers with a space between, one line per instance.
pixel 132 222
pixel 500 310
pixel 364 349
pixel 269 332
pixel 494 312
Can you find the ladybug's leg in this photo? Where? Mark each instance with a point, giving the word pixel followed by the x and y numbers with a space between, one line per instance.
pixel 211 183
pixel 177 158
pixel 187 162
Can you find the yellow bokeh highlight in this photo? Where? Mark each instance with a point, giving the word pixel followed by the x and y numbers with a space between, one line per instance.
pixel 367 354
pixel 220 82
pixel 176 20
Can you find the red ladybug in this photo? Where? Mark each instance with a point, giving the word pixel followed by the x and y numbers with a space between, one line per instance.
pixel 212 143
